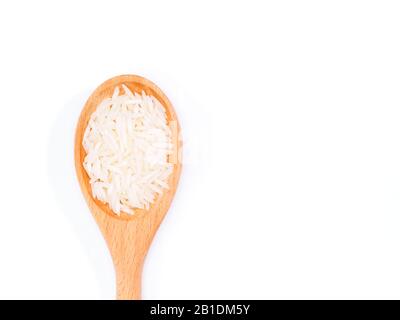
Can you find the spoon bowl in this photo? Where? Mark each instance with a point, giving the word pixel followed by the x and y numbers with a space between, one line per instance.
pixel 128 237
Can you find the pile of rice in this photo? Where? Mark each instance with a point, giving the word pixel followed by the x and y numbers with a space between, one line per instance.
pixel 127 142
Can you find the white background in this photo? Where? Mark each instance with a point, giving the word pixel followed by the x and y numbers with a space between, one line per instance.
pixel 290 113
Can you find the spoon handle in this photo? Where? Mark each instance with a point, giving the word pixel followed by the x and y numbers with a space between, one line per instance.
pixel 128 245
pixel 129 281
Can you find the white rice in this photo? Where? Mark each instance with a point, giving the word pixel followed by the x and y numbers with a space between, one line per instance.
pixel 127 142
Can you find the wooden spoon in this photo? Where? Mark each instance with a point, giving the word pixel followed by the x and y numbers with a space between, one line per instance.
pixel 128 236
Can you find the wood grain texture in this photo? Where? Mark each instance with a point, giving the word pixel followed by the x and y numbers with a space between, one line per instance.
pixel 128 237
